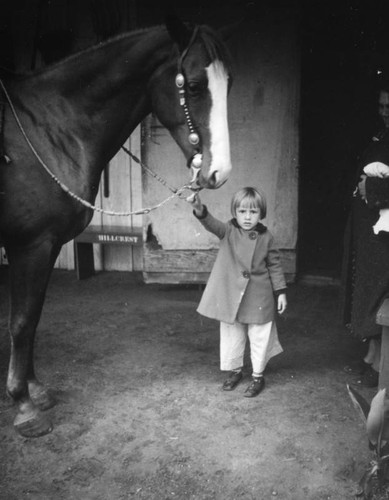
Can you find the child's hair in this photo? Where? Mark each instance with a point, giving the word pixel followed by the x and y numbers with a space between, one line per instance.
pixel 250 196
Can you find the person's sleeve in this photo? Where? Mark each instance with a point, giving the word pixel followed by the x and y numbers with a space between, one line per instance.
pixel 211 224
pixel 276 273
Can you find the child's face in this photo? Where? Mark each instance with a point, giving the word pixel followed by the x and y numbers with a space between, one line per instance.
pixel 247 216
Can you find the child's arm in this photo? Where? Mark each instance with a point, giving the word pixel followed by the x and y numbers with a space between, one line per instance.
pixel 209 222
pixel 282 303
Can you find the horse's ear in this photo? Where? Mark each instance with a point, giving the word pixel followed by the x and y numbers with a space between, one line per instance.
pixel 178 31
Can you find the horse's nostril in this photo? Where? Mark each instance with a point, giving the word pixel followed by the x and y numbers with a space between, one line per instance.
pixel 213 179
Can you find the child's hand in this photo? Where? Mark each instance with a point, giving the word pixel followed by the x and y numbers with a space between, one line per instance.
pixel 281 303
pixel 194 200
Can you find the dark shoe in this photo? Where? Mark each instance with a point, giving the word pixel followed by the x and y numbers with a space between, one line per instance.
pixel 232 381
pixel 254 388
pixel 369 378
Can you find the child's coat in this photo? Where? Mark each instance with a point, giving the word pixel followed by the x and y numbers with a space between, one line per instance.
pixel 246 272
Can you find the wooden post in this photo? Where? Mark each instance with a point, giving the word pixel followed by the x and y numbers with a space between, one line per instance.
pixel 84 260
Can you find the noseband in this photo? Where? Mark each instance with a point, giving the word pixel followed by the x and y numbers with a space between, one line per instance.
pixel 196 160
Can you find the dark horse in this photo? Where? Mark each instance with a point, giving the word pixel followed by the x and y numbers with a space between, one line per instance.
pixel 73 117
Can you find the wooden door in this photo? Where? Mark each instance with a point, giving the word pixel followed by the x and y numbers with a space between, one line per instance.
pixel 120 191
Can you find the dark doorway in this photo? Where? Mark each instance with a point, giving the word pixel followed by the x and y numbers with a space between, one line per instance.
pixel 343 54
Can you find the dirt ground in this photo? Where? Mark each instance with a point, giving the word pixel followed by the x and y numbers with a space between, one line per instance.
pixel 140 413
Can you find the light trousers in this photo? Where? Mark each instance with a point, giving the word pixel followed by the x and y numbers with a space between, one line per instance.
pixel 264 344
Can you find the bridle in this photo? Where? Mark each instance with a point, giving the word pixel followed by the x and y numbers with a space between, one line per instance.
pixel 196 160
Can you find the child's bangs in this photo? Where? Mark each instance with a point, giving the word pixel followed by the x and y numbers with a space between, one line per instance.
pixel 249 202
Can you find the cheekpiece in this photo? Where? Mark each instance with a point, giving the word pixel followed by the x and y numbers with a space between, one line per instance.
pixel 180 80
pixel 194 138
pixel 197 160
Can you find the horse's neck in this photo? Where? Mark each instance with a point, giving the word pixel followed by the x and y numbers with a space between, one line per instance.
pixel 99 95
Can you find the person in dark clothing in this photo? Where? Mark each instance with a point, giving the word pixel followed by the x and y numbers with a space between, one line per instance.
pixel 365 276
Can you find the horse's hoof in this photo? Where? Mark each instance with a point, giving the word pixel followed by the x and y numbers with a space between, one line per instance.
pixel 33 425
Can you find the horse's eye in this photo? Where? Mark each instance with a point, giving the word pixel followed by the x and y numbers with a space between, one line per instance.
pixel 195 88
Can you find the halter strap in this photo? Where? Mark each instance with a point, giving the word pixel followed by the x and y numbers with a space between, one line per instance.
pixel 185 52
pixel 195 161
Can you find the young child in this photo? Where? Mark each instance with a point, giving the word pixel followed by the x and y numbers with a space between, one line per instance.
pixel 240 291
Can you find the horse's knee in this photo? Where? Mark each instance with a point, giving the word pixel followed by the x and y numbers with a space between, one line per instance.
pixel 17 325
pixel 21 333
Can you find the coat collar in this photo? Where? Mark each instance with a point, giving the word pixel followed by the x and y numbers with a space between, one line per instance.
pixel 260 228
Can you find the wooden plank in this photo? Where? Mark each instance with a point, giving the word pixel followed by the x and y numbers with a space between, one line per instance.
pixel 186 278
pixel 111 235
pixel 199 261
pixel 168 261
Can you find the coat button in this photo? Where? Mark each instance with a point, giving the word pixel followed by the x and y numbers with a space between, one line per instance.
pixel 253 235
pixel 246 274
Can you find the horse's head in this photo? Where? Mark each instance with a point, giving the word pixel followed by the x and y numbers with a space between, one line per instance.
pixel 189 95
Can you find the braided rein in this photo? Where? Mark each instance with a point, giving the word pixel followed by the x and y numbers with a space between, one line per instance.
pixel 175 192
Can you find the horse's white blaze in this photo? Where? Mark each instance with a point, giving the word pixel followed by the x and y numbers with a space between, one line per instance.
pixel 218 125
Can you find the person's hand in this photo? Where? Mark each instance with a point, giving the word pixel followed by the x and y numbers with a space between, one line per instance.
pixel 195 201
pixel 362 187
pixel 282 303
pixel 376 169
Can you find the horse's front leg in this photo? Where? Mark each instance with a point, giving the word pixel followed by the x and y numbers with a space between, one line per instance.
pixel 30 270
